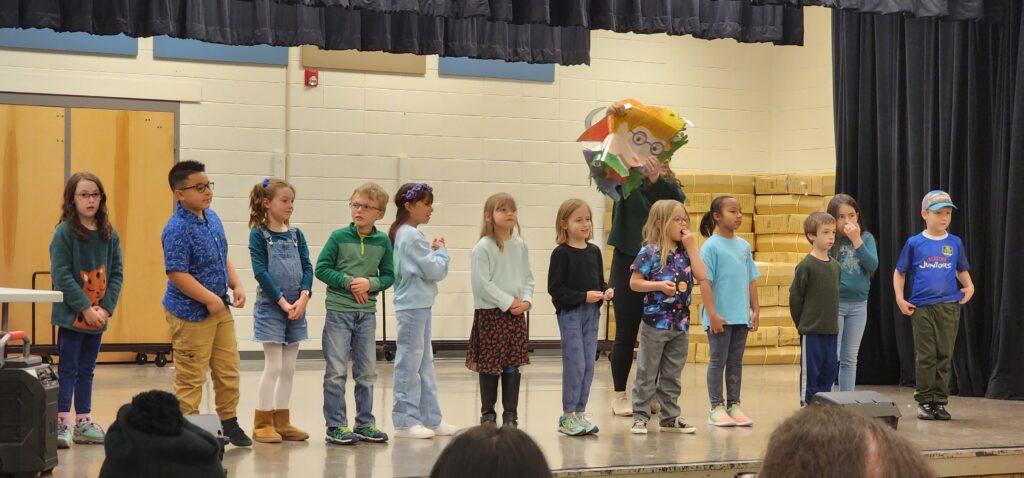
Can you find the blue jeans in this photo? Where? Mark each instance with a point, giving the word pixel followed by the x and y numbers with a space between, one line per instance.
pixel 77 352
pixel 578 329
pixel 853 317
pixel 345 334
pixel 415 383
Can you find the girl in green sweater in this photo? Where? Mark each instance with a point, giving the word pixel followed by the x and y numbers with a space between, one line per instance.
pixel 85 264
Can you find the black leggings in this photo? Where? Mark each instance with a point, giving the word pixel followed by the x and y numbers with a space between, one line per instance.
pixel 629 308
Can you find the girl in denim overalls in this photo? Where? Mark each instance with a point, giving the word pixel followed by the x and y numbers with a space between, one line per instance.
pixel 280 261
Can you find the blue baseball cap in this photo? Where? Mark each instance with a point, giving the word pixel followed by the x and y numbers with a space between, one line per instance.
pixel 935 200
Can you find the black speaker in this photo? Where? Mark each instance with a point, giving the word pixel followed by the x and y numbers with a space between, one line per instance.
pixel 28 413
pixel 871 404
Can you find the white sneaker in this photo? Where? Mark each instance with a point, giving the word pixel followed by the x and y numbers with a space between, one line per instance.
pixel 639 427
pixel 445 430
pixel 415 431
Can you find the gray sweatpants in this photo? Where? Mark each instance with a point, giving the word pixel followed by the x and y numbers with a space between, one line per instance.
pixel 659 365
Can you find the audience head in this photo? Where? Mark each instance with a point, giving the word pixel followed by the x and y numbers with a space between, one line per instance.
pixel 491 452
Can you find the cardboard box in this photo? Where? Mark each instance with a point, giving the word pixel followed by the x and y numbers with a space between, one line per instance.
pixel 748 224
pixel 694 315
pixel 753 355
pixel 788 204
pixel 697 334
pixel 790 257
pixel 696 300
pixel 788 336
pixel 782 355
pixel 783 243
pixel 763 337
pixel 820 184
pixel 775 273
pixel 746 200
pixel 703 353
pixel 691 353
pixel 784 296
pixel 775 317
pixel 608 220
pixel 779 223
pixel 768 295
pixel 697 204
pixel 771 184
pixel 712 182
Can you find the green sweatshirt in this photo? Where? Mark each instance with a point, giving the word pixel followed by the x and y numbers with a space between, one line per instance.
pixel 347 256
pixel 630 214
pixel 88 272
pixel 814 296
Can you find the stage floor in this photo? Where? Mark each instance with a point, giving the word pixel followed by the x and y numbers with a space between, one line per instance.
pixel 769 396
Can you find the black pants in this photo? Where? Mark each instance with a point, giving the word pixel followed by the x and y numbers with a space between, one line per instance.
pixel 629 308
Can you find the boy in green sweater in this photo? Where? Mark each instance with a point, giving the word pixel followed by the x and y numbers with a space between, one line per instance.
pixel 814 305
pixel 356 263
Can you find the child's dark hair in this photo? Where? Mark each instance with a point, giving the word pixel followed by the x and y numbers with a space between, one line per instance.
pixel 265 189
pixel 69 213
pixel 180 172
pixel 487 450
pixel 409 193
pixel 846 200
pixel 708 222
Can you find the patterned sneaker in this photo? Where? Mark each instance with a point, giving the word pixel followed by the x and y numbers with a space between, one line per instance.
pixel 341 436
pixel 720 418
pixel 570 425
pixel 63 435
pixel 88 432
pixel 639 427
pixel 737 415
pixel 677 425
pixel 584 420
pixel 371 434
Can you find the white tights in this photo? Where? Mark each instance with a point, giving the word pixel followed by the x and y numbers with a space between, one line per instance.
pixel 276 383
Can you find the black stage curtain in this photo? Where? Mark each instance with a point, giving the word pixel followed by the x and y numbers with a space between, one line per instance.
pixel 740 20
pixel 250 22
pixel 945 9
pixel 925 104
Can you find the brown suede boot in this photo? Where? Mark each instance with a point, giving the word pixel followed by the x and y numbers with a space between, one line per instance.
pixel 263 429
pixel 282 423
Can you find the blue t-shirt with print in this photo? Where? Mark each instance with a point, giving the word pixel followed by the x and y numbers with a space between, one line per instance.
pixel 198 247
pixel 731 269
pixel 932 265
pixel 660 310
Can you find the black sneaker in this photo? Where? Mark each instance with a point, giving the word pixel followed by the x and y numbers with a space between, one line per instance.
pixel 940 412
pixel 925 411
pixel 236 436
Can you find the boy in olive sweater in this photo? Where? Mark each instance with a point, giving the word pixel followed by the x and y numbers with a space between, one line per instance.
pixel 356 263
pixel 814 305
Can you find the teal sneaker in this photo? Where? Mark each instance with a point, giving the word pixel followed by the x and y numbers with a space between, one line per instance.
pixel 63 435
pixel 341 436
pixel 584 421
pixel 88 432
pixel 570 425
pixel 371 434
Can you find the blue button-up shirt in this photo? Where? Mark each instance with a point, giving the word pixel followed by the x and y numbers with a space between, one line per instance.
pixel 198 247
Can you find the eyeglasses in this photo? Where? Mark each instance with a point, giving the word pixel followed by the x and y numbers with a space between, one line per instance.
pixel 679 220
pixel 88 196
pixel 640 139
pixel 200 188
pixel 359 207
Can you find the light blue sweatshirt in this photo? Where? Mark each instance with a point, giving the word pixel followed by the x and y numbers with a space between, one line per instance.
pixel 499 277
pixel 418 269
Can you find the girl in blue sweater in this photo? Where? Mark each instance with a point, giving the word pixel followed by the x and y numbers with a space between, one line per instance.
pixel 419 264
pixel 857 255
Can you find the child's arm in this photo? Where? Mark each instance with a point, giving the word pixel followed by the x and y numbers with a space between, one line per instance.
pixel 867 253
pixel 484 287
pixel 258 257
pixel 115 276
pixel 899 281
pixel 965 278
pixel 697 265
pixel 796 294
pixel 386 271
pixel 717 322
pixel 525 303
pixel 638 283
pixel 326 263
pixel 431 264
pixel 189 286
pixel 558 289
pixel 62 275
pixel 236 286
pixel 755 306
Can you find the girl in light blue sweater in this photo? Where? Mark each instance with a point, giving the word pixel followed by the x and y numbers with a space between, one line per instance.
pixel 419 265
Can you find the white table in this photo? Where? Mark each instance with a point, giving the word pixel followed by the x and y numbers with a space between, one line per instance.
pixel 17 296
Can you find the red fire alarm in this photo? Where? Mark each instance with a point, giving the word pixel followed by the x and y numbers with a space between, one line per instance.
pixel 312 77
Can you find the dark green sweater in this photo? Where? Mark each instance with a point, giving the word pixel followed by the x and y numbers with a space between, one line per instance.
pixel 348 256
pixel 72 263
pixel 630 214
pixel 814 296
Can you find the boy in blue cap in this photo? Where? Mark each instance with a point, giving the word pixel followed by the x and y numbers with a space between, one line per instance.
pixel 936 261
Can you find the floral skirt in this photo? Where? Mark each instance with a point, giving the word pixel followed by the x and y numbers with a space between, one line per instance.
pixel 498 341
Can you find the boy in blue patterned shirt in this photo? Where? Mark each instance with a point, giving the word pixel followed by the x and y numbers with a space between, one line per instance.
pixel 199 273
pixel 936 261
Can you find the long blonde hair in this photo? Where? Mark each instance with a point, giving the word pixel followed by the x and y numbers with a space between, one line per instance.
pixel 265 189
pixel 487 229
pixel 564 212
pixel 654 230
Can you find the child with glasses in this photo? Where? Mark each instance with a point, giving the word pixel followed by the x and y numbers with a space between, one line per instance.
pixel 356 263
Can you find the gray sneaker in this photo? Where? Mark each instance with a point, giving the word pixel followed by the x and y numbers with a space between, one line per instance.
pixel 88 432
pixel 63 435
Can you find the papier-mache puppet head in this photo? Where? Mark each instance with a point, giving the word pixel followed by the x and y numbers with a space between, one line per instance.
pixel 626 141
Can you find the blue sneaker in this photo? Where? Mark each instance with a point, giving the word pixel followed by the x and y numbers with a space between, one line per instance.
pixel 88 432
pixel 584 420
pixel 371 434
pixel 64 435
pixel 341 436
pixel 569 425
